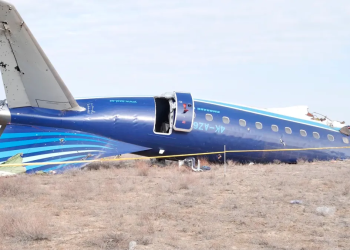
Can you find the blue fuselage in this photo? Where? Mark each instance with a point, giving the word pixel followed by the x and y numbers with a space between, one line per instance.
pixel 132 120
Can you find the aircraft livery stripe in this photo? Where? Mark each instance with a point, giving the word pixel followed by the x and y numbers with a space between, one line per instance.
pixel 41 149
pixel 267 113
pixel 37 141
pixel 40 157
pixel 19 135
pixel 58 160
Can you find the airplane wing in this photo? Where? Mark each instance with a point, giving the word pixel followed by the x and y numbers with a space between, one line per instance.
pixel 28 144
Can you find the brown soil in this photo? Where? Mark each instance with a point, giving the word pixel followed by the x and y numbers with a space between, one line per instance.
pixel 248 207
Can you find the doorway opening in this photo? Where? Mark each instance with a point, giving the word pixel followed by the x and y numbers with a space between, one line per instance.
pixel 163 116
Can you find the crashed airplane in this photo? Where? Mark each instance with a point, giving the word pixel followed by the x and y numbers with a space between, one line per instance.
pixel 42 122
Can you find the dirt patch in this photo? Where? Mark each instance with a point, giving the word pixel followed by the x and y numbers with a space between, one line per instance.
pixel 248 207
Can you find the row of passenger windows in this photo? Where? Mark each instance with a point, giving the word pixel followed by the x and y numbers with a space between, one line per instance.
pixel 274 128
pixel 209 118
pixel 288 130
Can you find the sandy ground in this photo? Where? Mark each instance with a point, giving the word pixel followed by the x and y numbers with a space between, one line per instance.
pixel 248 207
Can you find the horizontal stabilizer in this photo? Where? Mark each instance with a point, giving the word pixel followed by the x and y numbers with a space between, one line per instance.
pixel 28 76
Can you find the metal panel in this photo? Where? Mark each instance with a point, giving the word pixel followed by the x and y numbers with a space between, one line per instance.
pixel 184 112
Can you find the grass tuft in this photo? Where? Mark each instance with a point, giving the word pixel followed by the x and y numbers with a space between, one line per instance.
pixel 23 226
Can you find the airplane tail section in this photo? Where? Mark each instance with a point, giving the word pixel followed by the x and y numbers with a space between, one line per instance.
pixel 28 76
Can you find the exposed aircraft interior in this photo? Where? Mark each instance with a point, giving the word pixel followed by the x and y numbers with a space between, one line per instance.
pixel 163 115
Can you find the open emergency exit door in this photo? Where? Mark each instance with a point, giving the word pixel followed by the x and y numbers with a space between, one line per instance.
pixel 174 111
pixel 184 114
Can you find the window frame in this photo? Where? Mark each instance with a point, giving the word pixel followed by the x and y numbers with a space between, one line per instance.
pixel 316 133
pixel 301 131
pixel 346 140
pixel 242 120
pixel 272 126
pixel 288 128
pixel 260 124
pixel 228 120
pixel 330 136
pixel 209 115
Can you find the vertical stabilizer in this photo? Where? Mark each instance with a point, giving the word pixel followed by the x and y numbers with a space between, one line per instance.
pixel 28 76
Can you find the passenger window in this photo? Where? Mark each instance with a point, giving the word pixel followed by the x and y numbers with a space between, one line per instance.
pixel 209 117
pixel 316 135
pixel 258 125
pixel 330 137
pixel 242 122
pixel 274 128
pixel 225 120
pixel 303 133
pixel 345 140
pixel 288 130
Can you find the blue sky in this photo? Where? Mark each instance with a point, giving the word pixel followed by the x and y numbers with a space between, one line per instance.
pixel 270 53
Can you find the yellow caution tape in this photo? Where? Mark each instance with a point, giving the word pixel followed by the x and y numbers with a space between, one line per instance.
pixel 169 156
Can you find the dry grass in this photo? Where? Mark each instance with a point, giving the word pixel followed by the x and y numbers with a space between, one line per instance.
pixel 248 207
pixel 142 168
pixel 18 186
pixel 22 225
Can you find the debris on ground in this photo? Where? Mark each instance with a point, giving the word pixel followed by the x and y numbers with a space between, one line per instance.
pixel 298 202
pixel 205 168
pixel 132 245
pixel 325 210
pixel 3 173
